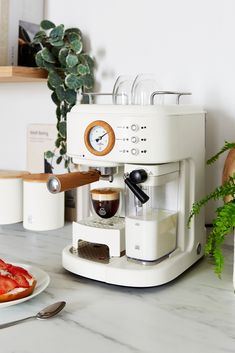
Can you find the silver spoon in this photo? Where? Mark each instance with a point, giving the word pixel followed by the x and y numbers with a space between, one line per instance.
pixel 45 313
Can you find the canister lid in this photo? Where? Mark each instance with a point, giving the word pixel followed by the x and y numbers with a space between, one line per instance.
pixel 12 174
pixel 37 178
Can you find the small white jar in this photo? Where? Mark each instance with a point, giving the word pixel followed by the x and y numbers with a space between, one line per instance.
pixel 41 210
pixel 11 196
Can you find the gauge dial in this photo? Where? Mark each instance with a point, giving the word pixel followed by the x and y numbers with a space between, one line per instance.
pixel 99 138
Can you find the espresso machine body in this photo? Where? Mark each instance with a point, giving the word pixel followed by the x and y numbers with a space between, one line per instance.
pixel 155 156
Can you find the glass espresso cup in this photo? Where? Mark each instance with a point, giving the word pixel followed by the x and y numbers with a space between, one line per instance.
pixel 105 202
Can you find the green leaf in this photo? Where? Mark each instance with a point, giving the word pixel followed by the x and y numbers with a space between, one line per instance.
pixel 49 154
pixel 88 61
pixel 50 87
pixel 73 82
pixel 70 96
pixel 62 128
pixel 60 92
pixel 54 79
pixel 73 36
pixel 39 59
pixel 58 114
pixel 57 33
pixel 56 43
pixel 72 70
pixel 55 98
pixel 45 24
pixel 62 151
pixel 49 66
pixel 71 60
pixel 227 146
pixel 58 141
pixel 73 30
pixel 76 45
pixel 47 56
pixel 83 69
pixel 62 56
pixel 59 159
pixel 88 81
pixel 39 37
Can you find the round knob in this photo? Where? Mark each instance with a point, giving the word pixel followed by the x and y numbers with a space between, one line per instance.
pixel 134 139
pixel 134 127
pixel 138 176
pixel 134 151
pixel 53 185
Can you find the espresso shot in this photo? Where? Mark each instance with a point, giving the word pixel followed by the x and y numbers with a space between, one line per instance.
pixel 105 202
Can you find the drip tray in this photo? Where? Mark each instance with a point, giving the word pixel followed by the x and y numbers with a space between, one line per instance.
pixel 92 251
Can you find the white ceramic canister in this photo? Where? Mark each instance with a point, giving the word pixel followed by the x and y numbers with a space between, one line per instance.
pixel 11 196
pixel 42 210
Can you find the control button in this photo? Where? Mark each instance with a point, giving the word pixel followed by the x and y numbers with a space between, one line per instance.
pixel 134 151
pixel 134 127
pixel 134 139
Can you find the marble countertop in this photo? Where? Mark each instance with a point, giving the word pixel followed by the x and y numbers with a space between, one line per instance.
pixel 194 313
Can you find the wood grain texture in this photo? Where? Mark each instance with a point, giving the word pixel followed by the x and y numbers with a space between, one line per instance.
pixel 73 180
pixel 22 74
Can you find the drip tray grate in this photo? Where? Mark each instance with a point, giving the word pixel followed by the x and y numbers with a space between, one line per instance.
pixel 92 251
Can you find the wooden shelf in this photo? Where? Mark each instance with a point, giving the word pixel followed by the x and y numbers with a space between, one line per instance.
pixel 22 74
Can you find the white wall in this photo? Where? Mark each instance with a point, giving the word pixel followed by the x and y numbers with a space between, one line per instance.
pixel 189 45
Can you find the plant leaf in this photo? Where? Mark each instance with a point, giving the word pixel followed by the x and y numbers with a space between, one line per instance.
pixel 39 37
pixel 55 98
pixel 57 33
pixel 47 56
pixel 39 59
pixel 45 24
pixel 49 154
pixel 88 61
pixel 60 92
pixel 62 56
pixel 70 96
pixel 71 60
pixel 73 82
pixel 54 79
pixel 83 69
pixel 73 30
pixel 56 43
pixel 76 45
pixel 73 36
pixel 62 128
pixel 88 81
pixel 227 146
pixel 59 159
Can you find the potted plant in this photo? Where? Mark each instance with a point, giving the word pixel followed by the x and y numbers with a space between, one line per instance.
pixel 225 215
pixel 70 71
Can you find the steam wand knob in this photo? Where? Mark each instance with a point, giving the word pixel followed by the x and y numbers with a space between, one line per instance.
pixel 136 177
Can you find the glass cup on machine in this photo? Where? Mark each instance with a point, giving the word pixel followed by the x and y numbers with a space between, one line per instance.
pixel 142 89
pixel 122 90
pixel 105 202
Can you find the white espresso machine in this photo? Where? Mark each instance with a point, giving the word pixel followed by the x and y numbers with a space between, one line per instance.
pixel 141 169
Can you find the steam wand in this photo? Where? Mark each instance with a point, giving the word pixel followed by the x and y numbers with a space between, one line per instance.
pixel 136 177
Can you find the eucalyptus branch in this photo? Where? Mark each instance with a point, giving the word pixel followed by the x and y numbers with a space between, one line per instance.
pixel 70 70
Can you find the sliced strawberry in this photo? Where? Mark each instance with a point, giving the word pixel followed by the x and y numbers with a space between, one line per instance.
pixel 3 265
pixel 17 270
pixel 7 284
pixel 20 280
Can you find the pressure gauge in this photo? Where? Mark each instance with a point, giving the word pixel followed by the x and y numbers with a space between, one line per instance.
pixel 99 138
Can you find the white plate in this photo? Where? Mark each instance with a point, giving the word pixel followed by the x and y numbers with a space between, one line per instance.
pixel 42 278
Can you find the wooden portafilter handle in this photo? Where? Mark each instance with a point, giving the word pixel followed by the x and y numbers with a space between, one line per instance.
pixel 63 182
